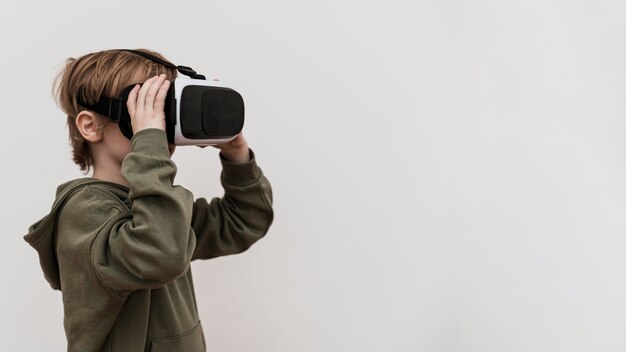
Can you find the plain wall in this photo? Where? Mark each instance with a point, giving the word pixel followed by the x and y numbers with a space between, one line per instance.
pixel 447 175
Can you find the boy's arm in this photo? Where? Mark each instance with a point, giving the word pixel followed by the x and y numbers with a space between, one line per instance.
pixel 152 244
pixel 231 224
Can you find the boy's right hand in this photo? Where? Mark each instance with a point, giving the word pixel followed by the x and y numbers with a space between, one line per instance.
pixel 146 104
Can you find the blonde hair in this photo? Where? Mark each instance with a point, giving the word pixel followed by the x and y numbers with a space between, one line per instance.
pixel 94 75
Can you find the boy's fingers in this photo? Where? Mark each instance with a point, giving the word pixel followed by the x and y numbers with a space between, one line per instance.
pixel 152 92
pixel 159 102
pixel 131 104
pixel 141 97
pixel 139 103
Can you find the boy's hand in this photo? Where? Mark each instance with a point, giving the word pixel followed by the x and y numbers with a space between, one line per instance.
pixel 146 104
pixel 236 150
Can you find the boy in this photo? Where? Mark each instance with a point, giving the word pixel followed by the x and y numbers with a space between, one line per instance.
pixel 118 244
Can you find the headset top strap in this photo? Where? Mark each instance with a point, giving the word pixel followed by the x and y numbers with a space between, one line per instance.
pixel 185 70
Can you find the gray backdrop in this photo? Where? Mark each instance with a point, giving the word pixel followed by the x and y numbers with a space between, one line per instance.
pixel 447 175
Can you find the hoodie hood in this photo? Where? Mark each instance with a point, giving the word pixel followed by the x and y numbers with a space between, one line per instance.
pixel 41 235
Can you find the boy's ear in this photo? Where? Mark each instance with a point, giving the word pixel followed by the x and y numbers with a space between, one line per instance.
pixel 87 125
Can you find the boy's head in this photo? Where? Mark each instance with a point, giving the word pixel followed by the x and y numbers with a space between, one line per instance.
pixel 95 75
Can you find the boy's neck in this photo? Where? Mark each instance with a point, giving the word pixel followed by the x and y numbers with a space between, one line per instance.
pixel 107 160
pixel 115 177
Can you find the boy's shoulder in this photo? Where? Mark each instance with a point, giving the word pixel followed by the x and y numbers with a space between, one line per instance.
pixel 89 196
pixel 88 208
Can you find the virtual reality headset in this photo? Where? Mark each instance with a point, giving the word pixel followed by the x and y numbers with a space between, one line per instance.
pixel 197 111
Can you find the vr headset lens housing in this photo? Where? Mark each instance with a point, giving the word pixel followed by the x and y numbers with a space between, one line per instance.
pixel 220 111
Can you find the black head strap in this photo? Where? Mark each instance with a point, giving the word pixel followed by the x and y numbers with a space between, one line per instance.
pixel 106 106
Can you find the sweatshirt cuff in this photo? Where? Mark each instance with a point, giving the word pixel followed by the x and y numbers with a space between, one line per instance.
pixel 240 174
pixel 152 141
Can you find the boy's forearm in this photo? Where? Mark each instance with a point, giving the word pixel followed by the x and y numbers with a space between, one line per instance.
pixel 231 224
pixel 237 155
pixel 236 150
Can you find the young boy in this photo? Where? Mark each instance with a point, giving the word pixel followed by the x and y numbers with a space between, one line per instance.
pixel 118 244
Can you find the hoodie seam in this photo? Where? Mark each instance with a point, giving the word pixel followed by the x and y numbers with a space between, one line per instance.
pixel 115 199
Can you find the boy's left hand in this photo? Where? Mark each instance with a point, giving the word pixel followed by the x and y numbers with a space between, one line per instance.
pixel 236 150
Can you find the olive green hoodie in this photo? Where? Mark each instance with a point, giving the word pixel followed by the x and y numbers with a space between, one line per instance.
pixel 121 255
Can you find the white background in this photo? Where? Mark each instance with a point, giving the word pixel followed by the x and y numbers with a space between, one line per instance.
pixel 447 175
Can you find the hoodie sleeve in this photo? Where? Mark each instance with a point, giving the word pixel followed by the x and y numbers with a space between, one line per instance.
pixel 153 243
pixel 231 224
